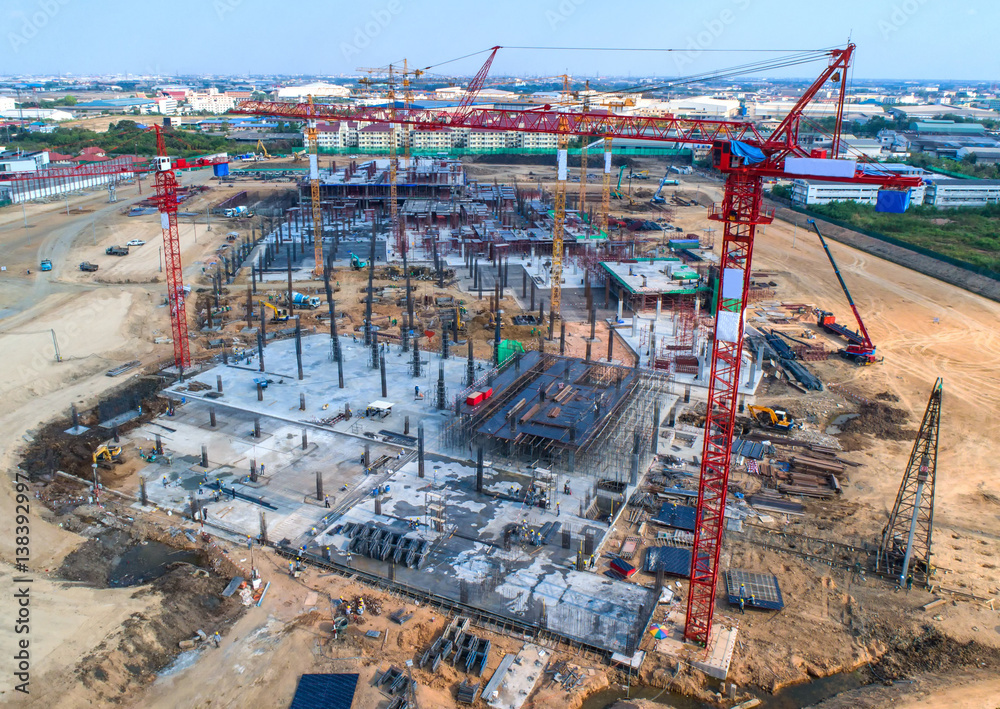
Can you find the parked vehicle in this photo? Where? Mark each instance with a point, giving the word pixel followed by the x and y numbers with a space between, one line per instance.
pixel 135 242
pixel 116 251
pixel 88 266
pixel 45 265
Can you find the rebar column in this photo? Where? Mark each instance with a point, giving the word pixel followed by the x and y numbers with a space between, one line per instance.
pixel 302 401
pixel 655 448
pixel 444 343
pixel 204 456
pixel 305 439
pixel 496 339
pixel 420 450
pixel 562 339
pixel 256 427
pixel 440 387
pixel 211 417
pixel 416 358
pixel 385 389
pixel 368 455
pixel 159 445
pixel 524 285
pixel 218 382
pixel 406 425
pixel 291 305
pixel 263 325
pixel 319 486
pixel 479 469
pixel 374 343
pixel 298 344
pixel 470 371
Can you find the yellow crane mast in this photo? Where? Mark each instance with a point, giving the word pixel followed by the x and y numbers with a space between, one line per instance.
pixel 314 188
pixel 602 218
pixel 393 168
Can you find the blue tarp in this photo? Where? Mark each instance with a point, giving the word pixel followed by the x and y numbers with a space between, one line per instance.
pixel 892 201
pixel 747 152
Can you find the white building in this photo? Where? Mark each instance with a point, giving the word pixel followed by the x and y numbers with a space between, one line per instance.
pixel 481 139
pixel 7 103
pixel 376 136
pixel 693 107
pixel 948 194
pixel 340 134
pixel 808 192
pixel 537 141
pixel 165 105
pixel 46 114
pixel 316 89
pixel 20 161
pixel 211 101
pixel 431 139
pixel 777 110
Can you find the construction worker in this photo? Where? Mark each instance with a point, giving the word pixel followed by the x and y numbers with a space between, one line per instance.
pixel 326 501
pixel 909 582
pixel 743 590
pixel 218 639
pixel 742 603
pixel 753 600
pixel 557 509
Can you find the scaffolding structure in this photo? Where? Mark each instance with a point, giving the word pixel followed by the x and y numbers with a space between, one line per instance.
pixel 624 401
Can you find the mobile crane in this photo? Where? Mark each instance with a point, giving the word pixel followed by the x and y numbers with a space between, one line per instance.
pixel 860 349
pixel 657 199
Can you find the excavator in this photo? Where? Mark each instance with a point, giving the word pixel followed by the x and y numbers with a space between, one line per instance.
pixel 280 314
pixel 108 456
pixel 263 150
pixel 778 419
pixel 657 199
pixel 356 263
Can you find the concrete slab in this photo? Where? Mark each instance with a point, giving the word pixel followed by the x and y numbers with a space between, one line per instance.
pixel 521 678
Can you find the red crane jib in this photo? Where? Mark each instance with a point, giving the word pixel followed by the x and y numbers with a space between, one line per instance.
pixel 740 212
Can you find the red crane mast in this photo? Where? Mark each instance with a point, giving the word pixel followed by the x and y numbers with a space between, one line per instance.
pixel 745 157
pixel 166 183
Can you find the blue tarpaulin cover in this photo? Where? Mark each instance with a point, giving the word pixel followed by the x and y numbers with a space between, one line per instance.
pixel 747 152
pixel 892 201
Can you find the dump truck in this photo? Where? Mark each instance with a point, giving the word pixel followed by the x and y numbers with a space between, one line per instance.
pixel 116 251
pixel 88 266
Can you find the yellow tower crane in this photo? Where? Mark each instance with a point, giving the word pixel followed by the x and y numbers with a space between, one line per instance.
pixel 582 202
pixel 602 218
pixel 317 215
pixel 397 233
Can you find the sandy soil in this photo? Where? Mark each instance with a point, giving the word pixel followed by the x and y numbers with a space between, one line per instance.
pixel 100 323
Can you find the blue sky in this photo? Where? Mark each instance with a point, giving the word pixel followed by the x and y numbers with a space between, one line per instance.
pixel 903 39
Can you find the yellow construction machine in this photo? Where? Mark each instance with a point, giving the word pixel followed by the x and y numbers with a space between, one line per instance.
pixel 107 456
pixel 280 314
pixel 777 419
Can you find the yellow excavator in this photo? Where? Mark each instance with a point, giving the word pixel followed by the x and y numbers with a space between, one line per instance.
pixel 108 456
pixel 263 150
pixel 280 314
pixel 777 419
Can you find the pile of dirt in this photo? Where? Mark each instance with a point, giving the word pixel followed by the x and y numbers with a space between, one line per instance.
pixel 91 562
pixel 880 421
pixel 930 648
pixel 887 396
pixel 130 658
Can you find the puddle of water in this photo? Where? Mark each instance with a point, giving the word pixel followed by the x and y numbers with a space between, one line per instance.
pixel 836 426
pixel 145 562
pixel 183 661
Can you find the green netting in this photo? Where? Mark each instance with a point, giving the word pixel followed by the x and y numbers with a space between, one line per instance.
pixel 508 348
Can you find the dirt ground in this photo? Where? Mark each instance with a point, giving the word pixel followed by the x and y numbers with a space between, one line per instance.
pixel 924 329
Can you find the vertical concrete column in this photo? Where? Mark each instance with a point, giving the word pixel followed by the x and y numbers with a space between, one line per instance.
pixel 385 390
pixel 211 417
pixel 302 401
pixel 656 428
pixel 611 343
pixel 635 324
pixel 524 284
pixel 260 391
pixel 159 445
pixel 619 309
pixel 256 427
pixel 444 343
pixel 479 469
pixel 368 455
pixel 552 322
pixel 470 370
pixel 263 328
pixel 406 426
pixel 440 387
pixel 204 456
pixel 532 308
pixel 298 344
pixel 305 439
pixel 659 305
pixel 420 450
pixel 143 499
pixel 562 338
pixel 319 486
pixel 74 415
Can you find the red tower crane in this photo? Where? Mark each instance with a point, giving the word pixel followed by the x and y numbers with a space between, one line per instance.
pixel 49 181
pixel 745 157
